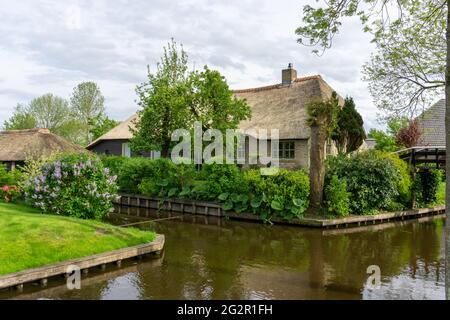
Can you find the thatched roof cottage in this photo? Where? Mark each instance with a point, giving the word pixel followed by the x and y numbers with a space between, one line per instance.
pixel 16 146
pixel 281 106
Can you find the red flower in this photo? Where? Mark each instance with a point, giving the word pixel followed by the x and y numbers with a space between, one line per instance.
pixel 5 188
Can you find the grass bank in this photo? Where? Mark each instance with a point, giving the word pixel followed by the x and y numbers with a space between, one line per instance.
pixel 29 239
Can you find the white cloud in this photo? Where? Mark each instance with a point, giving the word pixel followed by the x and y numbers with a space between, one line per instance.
pixel 50 46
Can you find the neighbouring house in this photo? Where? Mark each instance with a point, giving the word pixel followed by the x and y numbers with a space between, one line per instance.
pixel 432 123
pixel 368 144
pixel 281 106
pixel 116 141
pixel 16 146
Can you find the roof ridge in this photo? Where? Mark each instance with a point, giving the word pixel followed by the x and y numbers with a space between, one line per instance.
pixel 276 86
pixel 25 131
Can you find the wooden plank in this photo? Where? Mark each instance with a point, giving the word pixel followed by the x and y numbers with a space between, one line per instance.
pixel 33 275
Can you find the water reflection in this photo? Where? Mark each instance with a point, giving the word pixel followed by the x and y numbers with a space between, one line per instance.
pixel 207 258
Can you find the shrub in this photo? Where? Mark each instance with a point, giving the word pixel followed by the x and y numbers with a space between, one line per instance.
pixel 75 185
pixel 337 199
pixel 9 193
pixel 165 179
pixel 405 183
pixel 427 186
pixel 372 180
pixel 10 178
pixel 114 164
pixel 222 178
pixel 284 194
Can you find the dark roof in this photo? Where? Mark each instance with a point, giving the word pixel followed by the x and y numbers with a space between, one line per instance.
pixel 432 122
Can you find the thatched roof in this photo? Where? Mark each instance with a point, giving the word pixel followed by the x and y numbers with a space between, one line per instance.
pixel 121 132
pixel 432 123
pixel 277 106
pixel 19 145
pixel 283 107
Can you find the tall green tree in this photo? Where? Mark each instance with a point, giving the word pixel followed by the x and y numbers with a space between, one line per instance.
pixel 20 120
pixel 406 72
pixel 48 111
pixel 322 24
pixel 386 140
pixel 322 118
pixel 101 125
pixel 174 98
pixel 87 104
pixel 165 101
pixel 349 134
pixel 213 101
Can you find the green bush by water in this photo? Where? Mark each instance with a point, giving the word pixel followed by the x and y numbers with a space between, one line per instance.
pixel 337 199
pixel 76 185
pixel 284 194
pixel 375 181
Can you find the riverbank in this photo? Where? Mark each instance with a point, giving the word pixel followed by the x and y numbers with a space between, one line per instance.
pixel 29 239
pixel 315 221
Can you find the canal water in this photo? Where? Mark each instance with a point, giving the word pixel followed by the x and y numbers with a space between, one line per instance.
pixel 210 258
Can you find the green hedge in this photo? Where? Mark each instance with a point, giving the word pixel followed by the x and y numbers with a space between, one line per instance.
pixel 426 186
pixel 375 181
pixel 284 194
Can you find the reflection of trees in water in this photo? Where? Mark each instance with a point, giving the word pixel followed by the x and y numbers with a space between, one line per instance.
pixel 206 261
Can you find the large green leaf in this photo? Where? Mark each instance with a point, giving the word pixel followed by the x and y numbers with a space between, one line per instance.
pixel 256 202
pixel 186 192
pixel 298 202
pixel 172 192
pixel 227 206
pixel 235 198
pixel 224 196
pixel 163 183
pixel 277 205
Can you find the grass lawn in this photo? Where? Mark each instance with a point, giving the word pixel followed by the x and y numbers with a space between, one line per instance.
pixel 29 239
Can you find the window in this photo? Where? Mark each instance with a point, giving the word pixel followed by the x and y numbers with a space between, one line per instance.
pixel 287 150
pixel 126 152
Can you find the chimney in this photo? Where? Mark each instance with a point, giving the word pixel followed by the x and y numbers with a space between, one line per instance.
pixel 289 75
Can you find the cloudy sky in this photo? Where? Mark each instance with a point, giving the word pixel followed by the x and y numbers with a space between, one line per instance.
pixel 50 46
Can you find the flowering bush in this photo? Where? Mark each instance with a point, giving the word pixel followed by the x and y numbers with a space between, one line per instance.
pixel 9 193
pixel 73 185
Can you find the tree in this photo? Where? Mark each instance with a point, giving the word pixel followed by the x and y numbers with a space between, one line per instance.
pixel 322 118
pixel 213 101
pixel 165 102
pixel 87 103
pixel 322 24
pixel 48 111
pixel 409 136
pixel 386 140
pixel 101 125
pixel 20 120
pixel 349 134
pixel 406 73
pixel 174 98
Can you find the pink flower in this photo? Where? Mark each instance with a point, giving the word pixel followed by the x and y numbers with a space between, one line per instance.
pixel 5 188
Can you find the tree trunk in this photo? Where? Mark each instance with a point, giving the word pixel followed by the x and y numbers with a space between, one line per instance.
pixel 317 165
pixel 447 162
pixel 165 150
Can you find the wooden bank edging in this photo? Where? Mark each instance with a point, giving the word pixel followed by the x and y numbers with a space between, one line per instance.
pixel 215 209
pixel 42 274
